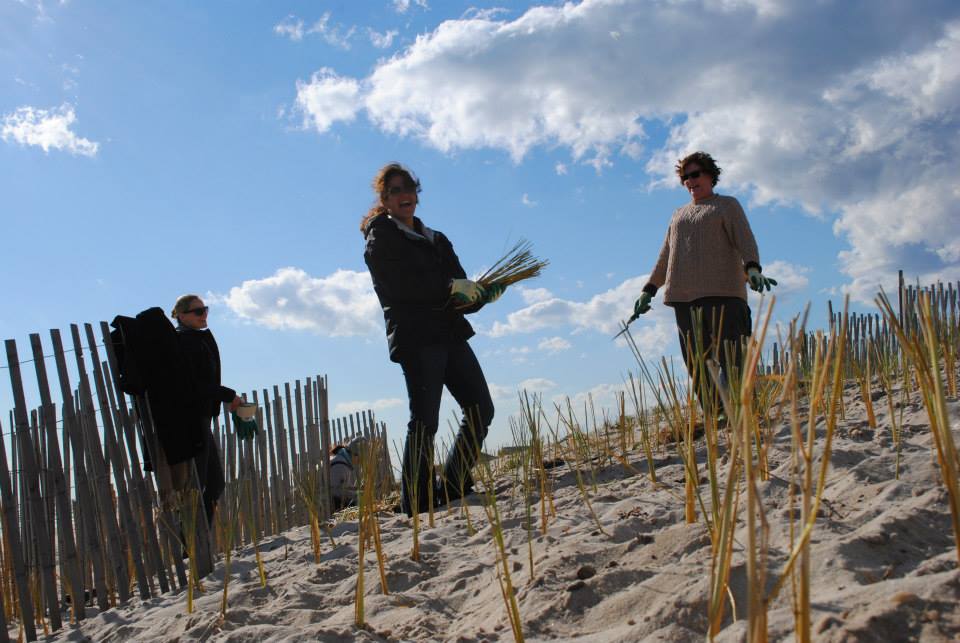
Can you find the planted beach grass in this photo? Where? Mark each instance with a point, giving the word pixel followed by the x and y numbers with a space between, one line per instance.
pixel 814 494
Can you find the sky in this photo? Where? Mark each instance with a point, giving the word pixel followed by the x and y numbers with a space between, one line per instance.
pixel 227 148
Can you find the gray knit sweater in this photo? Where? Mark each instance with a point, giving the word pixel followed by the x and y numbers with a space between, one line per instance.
pixel 707 250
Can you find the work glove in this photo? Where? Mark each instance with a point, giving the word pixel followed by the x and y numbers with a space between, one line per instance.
pixel 641 306
pixel 758 282
pixel 246 429
pixel 465 291
pixel 493 293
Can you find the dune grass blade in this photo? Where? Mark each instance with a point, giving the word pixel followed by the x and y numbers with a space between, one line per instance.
pixel 188 502
pixel 832 357
pixel 924 351
pixel 489 498
pixel 576 437
pixel 227 511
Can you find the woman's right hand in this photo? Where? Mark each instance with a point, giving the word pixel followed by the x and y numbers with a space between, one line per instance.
pixel 466 291
pixel 237 401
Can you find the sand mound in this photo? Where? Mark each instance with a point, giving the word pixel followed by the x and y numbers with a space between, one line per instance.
pixel 884 563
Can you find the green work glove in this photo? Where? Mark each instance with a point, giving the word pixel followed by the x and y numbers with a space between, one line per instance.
pixel 642 305
pixel 246 429
pixel 465 291
pixel 493 293
pixel 758 282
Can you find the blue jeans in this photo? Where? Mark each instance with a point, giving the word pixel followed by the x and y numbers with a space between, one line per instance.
pixel 426 370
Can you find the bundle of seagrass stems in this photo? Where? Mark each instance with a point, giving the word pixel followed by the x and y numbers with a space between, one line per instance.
pixel 517 265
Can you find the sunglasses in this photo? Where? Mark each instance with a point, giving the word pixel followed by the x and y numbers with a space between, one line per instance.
pixel 409 188
pixel 692 175
pixel 199 312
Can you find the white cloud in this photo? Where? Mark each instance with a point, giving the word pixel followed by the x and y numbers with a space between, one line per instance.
pixel 527 201
pixel 599 313
pixel 816 104
pixel 382 40
pixel 402 6
pixel 560 168
pixel 533 295
pixel 603 396
pixel 554 345
pixel 336 35
pixel 291 27
pixel 333 34
pixel 342 304
pixel 326 99
pixel 47 129
pixel 653 332
pixel 536 385
pixel 345 408
pixel 501 393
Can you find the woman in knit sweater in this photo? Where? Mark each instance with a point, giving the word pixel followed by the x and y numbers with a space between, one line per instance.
pixel 708 256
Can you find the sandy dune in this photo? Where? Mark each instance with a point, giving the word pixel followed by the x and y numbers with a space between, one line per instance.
pixel 885 563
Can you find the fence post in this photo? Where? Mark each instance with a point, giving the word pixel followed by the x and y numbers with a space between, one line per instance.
pixel 130 532
pixel 21 581
pixel 31 478
pixel 68 547
pixel 154 555
pixel 71 423
pixel 117 553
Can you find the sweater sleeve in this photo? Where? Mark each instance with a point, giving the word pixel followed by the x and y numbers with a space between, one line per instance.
pixel 741 236
pixel 659 275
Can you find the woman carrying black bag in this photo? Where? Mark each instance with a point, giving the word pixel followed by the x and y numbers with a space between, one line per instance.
pixel 424 293
pixel 202 357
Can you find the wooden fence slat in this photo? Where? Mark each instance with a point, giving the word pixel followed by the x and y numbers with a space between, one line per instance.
pixel 116 548
pixel 31 473
pixel 12 531
pixel 4 636
pixel 68 548
pixel 260 441
pixel 90 554
pixel 301 432
pixel 289 492
pixel 296 454
pixel 129 531
pixel 147 501
pixel 324 426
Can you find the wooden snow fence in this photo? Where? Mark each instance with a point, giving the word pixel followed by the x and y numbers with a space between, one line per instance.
pixel 868 331
pixel 81 524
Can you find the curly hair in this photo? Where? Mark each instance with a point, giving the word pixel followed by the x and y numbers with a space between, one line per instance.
pixel 379 186
pixel 704 160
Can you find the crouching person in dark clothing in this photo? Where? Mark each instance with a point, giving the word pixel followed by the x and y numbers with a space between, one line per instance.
pixel 202 357
pixel 424 293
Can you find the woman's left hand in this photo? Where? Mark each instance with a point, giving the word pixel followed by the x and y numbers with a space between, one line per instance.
pixel 758 282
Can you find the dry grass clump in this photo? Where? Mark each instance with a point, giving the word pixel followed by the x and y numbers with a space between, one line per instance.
pixel 517 265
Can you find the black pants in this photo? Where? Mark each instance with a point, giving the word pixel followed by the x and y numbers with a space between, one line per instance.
pixel 426 371
pixel 723 323
pixel 210 473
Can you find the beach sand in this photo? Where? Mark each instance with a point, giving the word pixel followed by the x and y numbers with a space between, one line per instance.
pixel 884 562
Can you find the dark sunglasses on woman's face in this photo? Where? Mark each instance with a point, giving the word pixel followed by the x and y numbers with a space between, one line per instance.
pixel 198 311
pixel 692 175
pixel 408 188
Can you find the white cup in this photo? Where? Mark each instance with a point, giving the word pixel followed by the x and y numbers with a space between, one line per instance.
pixel 247 411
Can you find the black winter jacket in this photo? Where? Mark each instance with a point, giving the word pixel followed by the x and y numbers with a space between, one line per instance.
pixel 202 354
pixel 153 354
pixel 411 277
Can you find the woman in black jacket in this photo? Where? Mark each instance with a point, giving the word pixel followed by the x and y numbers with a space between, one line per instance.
pixel 202 356
pixel 423 290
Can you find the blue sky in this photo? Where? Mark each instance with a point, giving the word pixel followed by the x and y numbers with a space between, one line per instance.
pixel 147 150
